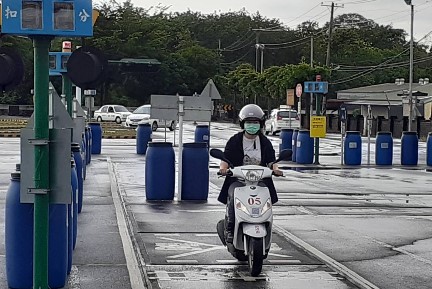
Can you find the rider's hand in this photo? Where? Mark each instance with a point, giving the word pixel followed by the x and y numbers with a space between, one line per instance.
pixel 277 173
pixel 223 171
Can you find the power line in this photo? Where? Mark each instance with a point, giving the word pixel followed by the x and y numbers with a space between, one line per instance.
pixel 238 41
pixel 238 59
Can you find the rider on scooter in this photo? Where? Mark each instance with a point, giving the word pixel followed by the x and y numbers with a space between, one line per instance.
pixel 248 147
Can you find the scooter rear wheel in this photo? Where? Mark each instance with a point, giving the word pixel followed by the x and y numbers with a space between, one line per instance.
pixel 256 256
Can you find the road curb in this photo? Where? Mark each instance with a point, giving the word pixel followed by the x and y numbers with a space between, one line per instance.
pixel 341 269
pixel 135 262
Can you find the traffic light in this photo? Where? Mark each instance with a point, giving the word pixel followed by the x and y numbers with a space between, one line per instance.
pixel 12 69
pixel 87 67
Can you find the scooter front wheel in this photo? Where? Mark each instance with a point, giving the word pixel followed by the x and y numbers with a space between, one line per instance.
pixel 256 256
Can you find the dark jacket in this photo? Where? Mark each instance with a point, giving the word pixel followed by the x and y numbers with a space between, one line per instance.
pixel 234 153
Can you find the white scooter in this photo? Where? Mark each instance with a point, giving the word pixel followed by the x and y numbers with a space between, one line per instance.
pixel 253 212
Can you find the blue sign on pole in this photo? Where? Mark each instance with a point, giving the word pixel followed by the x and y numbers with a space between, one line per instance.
pixel 316 87
pixel 58 62
pixel 48 17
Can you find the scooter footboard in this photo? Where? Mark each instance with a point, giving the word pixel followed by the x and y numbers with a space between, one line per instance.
pixel 255 230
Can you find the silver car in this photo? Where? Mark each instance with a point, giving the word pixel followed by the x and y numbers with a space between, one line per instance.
pixel 142 115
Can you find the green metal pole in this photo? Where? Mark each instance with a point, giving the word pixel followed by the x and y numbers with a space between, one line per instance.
pixel 41 176
pixel 318 113
pixel 67 91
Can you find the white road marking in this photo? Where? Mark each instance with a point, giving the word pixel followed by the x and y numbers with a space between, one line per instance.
pixel 280 255
pixel 188 242
pixel 284 261
pixel 182 261
pixel 196 252
pixel 207 235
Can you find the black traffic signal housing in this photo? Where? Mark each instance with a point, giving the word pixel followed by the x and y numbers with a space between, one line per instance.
pixel 87 67
pixel 12 68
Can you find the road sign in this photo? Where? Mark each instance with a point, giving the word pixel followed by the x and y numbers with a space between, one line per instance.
pixel 318 126
pixel 299 90
pixel 211 91
pixel 316 87
pixel 57 62
pixel 290 97
pixel 48 17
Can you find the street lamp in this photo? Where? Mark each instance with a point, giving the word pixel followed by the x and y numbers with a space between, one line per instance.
pixel 410 100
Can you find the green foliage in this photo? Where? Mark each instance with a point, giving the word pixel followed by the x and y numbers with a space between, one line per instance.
pixel 193 47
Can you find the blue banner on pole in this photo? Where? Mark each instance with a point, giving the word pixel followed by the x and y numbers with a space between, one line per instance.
pixel 316 87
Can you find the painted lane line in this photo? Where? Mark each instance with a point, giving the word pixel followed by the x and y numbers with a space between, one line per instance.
pixel 228 261
pixel 167 235
pixel 284 261
pixel 207 235
pixel 188 242
pixel 197 252
pixel 182 261
pixel 280 255
pixel 341 269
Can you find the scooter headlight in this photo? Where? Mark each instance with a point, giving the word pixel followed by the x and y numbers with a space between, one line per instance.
pixel 253 175
pixel 240 206
pixel 267 206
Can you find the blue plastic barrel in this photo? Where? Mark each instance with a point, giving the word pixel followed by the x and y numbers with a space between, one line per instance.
pixel 195 171
pixel 96 137
pixel 74 185
pixel 286 139
pixel 19 241
pixel 90 144
pixel 305 147
pixel 58 246
pixel 294 145
pixel 70 217
pixel 87 138
pixel 384 149
pixel 143 137
pixel 83 155
pixel 353 148
pixel 76 150
pixel 160 171
pixel 429 150
pixel 18 237
pixel 409 149
pixel 202 134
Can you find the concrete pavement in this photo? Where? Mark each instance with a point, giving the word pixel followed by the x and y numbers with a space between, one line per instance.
pixel 358 217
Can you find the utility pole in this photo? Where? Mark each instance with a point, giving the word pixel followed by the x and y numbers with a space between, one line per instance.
pixel 332 7
pixel 259 63
pixel 411 68
pixel 256 48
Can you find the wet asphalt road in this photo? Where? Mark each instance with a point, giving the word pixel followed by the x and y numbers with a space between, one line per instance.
pixel 374 221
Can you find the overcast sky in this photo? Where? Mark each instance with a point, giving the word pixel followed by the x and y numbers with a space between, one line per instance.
pixel 293 12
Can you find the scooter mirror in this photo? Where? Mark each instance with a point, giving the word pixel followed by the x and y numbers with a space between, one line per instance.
pixel 285 155
pixel 217 153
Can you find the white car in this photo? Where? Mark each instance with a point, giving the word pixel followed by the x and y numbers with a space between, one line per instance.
pixel 117 113
pixel 142 115
pixel 281 118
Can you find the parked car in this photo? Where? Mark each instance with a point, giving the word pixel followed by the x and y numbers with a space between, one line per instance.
pixel 142 115
pixel 281 118
pixel 117 113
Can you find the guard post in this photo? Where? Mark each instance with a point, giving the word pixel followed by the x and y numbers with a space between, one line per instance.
pixel 42 21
